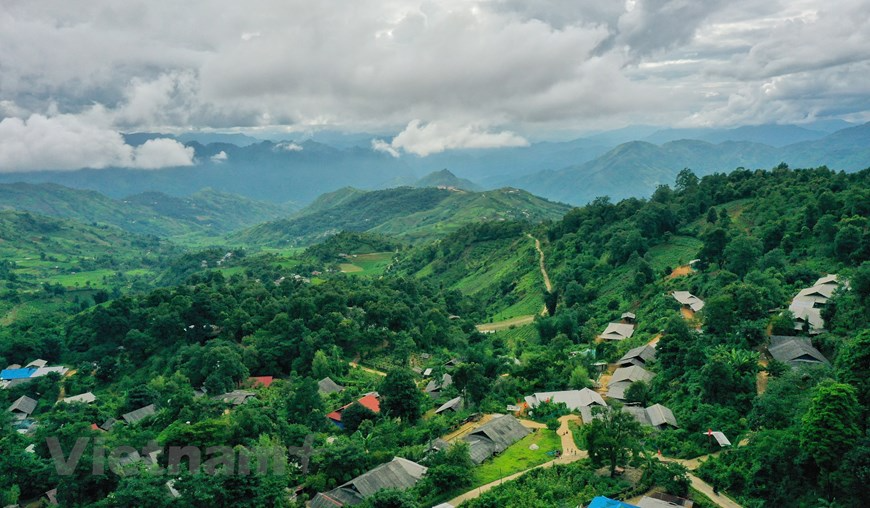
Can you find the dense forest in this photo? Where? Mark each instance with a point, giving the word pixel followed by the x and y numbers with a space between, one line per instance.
pixel 202 332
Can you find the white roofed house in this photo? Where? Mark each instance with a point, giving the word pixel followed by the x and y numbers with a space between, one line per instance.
pixel 617 331
pixel 807 304
pixel 688 300
pixel 574 399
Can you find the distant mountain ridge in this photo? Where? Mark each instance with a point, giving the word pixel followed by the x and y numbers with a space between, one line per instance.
pixel 637 167
pixel 413 214
pixel 153 213
pixel 300 171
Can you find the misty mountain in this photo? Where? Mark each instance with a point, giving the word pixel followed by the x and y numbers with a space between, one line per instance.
pixel 445 178
pixel 636 168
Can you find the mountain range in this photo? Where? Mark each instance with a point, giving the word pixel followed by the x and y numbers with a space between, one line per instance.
pixel 622 163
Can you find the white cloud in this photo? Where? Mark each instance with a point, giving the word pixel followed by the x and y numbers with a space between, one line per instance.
pixel 219 157
pixel 68 142
pixel 289 146
pixel 435 137
pixel 379 145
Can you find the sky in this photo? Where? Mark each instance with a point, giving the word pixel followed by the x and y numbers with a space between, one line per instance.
pixel 438 75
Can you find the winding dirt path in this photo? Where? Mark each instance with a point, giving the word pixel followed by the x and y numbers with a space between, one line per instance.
pixel 547 283
pixel 526 319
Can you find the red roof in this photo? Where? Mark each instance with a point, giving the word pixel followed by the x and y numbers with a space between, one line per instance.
pixel 261 380
pixel 368 400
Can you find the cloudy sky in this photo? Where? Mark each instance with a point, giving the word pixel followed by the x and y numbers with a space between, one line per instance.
pixel 440 74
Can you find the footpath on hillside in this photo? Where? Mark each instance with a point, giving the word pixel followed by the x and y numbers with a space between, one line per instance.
pixel 527 319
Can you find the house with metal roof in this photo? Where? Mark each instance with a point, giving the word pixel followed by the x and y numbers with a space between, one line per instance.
pixel 606 502
pixel 638 356
pixel 795 351
pixel 657 416
pixel 84 398
pixel 494 437
pixel 23 407
pixel 327 386
pixel 617 331
pixel 370 400
pixel 574 399
pixel 139 414
pixel 624 377
pixel 235 397
pixel 398 474
pixel 455 404
pixel 689 300
pixel 806 305
pixel 10 374
pixel 434 386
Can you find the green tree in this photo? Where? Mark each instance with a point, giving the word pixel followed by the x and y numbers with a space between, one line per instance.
pixel 400 397
pixel 354 415
pixel 741 254
pixel 713 250
pixel 830 425
pixel 320 366
pixel 612 438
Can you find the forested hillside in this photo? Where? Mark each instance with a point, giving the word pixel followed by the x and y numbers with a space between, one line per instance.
pixel 412 214
pixel 231 353
pixel 206 212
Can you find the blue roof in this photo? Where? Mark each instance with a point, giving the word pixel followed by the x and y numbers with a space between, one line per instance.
pixel 606 502
pixel 16 373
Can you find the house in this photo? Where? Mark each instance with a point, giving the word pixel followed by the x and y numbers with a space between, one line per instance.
pixel 257 381
pixel 23 407
pixel 806 305
pixel 795 351
pixel 85 398
pixel 638 356
pixel 18 373
pixel 689 300
pixel 108 424
pixel 398 474
pixel 455 404
pixel 662 500
pixel 719 437
pixel 617 331
pixel 624 377
pixel 327 386
pixel 139 414
pixel 606 502
pixel 574 399
pixel 628 317
pixel 452 363
pixel 657 416
pixel 434 387
pixel 235 397
pixel 43 371
pixel 37 363
pixel 494 437
pixel 369 400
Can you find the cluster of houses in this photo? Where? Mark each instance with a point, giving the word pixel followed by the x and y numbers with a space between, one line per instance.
pixel 807 304
pixel 654 500
pixel 15 374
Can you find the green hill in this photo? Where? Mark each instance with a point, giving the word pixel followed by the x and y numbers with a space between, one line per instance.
pixel 38 250
pixel 205 212
pixel 412 214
